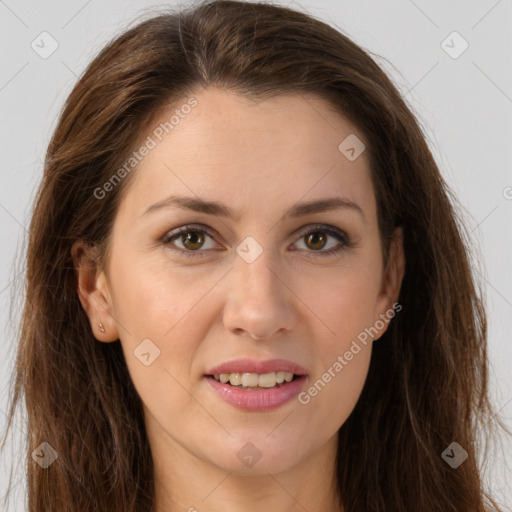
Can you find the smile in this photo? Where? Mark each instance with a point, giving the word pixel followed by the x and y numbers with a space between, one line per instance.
pixel 254 380
pixel 255 385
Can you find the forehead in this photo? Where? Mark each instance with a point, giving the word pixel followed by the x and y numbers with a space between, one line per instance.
pixel 250 154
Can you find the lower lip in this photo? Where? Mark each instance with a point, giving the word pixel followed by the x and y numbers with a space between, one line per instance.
pixel 260 399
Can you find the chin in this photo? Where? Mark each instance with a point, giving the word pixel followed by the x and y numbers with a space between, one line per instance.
pixel 257 453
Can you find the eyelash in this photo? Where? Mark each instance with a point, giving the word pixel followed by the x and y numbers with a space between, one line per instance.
pixel 334 232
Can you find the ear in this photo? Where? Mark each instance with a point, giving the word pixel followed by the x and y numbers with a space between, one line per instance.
pixel 391 283
pixel 93 292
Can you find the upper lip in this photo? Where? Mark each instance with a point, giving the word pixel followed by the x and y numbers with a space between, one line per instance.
pixel 255 366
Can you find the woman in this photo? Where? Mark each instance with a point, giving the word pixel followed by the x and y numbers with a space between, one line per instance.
pixel 236 205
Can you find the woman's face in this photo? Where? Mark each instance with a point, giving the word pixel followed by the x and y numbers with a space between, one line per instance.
pixel 280 284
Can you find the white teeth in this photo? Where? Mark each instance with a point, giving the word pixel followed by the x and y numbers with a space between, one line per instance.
pixel 249 380
pixel 268 380
pixel 253 380
pixel 235 379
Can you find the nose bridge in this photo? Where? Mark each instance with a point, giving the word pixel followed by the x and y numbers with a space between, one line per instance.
pixel 258 302
pixel 255 269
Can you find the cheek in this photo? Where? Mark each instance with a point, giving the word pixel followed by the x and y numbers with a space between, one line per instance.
pixel 345 303
pixel 154 303
pixel 343 351
pixel 343 300
pixel 154 296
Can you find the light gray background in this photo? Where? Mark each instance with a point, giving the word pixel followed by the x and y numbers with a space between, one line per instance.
pixel 464 104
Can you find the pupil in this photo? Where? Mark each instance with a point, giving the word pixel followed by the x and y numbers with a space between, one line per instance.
pixel 315 238
pixel 193 238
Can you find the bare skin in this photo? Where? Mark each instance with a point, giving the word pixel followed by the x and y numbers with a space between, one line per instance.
pixel 291 302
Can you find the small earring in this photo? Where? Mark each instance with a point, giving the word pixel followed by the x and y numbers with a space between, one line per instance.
pixel 102 329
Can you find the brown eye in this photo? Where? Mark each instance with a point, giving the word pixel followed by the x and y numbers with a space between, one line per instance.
pixel 323 240
pixel 192 240
pixel 316 240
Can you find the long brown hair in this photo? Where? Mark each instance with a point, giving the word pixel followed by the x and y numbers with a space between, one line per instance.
pixel 428 379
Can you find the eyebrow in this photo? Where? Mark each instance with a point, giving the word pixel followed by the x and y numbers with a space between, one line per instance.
pixel 215 208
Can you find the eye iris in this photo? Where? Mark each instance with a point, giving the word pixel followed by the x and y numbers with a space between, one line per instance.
pixel 315 238
pixel 193 239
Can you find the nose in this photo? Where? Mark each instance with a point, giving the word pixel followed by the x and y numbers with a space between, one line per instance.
pixel 259 303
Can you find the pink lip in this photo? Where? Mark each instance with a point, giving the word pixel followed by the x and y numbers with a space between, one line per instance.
pixel 254 366
pixel 260 399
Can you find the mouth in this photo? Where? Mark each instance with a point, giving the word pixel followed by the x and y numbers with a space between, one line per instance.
pixel 255 381
pixel 257 386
